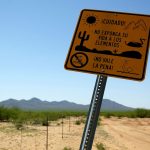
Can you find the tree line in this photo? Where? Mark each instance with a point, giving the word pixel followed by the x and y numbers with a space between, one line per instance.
pixel 37 117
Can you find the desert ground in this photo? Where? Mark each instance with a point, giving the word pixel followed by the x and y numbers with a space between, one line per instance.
pixel 114 133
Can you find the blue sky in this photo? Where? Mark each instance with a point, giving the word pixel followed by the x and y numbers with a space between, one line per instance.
pixel 35 37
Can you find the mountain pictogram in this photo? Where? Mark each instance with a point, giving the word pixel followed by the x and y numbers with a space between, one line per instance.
pixel 140 24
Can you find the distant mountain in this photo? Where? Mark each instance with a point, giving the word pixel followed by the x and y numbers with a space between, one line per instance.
pixel 37 104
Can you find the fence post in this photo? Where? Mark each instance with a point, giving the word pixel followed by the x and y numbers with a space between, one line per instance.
pixel 47 133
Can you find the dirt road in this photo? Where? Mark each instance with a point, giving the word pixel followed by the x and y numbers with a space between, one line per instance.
pixel 127 134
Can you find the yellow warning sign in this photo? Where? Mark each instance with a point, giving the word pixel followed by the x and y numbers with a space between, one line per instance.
pixel 110 43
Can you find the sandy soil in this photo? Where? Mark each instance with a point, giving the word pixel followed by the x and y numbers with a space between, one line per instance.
pixel 114 133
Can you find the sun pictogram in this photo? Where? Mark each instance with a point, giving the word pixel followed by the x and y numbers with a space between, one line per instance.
pixel 90 20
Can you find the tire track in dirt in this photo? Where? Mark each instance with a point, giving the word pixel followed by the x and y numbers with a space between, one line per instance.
pixel 133 132
pixel 132 136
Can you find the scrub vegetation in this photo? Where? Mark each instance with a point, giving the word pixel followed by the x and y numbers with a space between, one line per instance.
pixel 137 113
pixel 100 146
pixel 34 117
pixel 19 117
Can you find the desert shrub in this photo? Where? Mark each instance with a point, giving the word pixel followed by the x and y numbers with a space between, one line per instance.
pixel 100 146
pixel 130 114
pixel 142 113
pixel 36 122
pixel 107 115
pixel 8 114
pixel 15 113
pixel 78 122
pixel 67 148
pixel 3 112
pixel 19 124
pixel 45 123
pixel 58 124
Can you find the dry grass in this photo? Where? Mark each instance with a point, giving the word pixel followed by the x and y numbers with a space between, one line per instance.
pixel 114 133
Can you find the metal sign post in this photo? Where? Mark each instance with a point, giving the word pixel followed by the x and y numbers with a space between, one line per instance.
pixel 93 114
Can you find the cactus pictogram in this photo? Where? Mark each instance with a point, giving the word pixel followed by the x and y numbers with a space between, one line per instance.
pixel 83 38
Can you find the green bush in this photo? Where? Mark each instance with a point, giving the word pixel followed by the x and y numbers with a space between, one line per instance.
pixel 45 123
pixel 58 124
pixel 36 122
pixel 19 124
pixel 100 146
pixel 142 113
pixel 67 148
pixel 78 122
pixel 136 113
pixel 107 115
